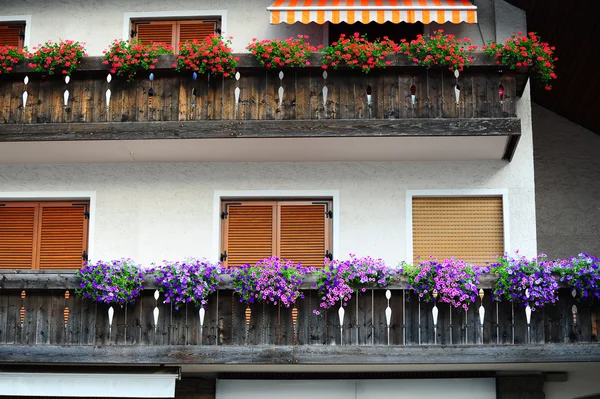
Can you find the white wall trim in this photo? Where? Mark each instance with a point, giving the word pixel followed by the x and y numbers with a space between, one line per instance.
pixel 19 18
pixel 251 194
pixel 128 16
pixel 60 195
pixel 503 192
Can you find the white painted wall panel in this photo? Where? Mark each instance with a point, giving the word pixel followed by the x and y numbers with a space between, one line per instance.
pixel 358 389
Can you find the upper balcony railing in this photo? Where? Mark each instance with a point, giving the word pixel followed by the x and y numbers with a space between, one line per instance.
pixel 401 91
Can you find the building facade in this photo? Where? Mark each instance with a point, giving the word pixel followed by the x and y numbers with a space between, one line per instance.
pixel 183 175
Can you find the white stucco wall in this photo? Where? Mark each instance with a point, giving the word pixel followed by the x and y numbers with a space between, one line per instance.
pixel 155 211
pixel 567 169
pixel 99 22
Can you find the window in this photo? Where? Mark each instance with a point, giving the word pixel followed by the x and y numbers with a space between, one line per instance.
pixel 296 230
pixel 43 235
pixel 173 32
pixel 12 34
pixel 467 228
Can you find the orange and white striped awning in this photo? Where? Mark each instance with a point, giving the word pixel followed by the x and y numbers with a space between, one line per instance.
pixel 365 11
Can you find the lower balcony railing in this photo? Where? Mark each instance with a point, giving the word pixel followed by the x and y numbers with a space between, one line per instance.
pixel 45 311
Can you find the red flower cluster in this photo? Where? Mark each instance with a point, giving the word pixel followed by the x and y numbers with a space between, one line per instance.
pixel 357 52
pixel 291 52
pixel 64 56
pixel 126 58
pixel 9 57
pixel 525 51
pixel 211 55
pixel 439 49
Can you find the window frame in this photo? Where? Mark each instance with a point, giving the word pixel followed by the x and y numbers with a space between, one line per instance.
pixel 130 18
pixel 269 195
pixel 276 233
pixel 38 217
pixel 19 20
pixel 503 192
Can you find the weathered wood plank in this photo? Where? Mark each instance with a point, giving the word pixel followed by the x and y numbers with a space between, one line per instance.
pixel 328 355
pixel 256 129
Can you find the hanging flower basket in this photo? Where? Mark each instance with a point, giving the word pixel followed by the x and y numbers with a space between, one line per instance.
pixel 212 55
pixel 357 52
pixel 192 281
pixel 127 58
pixel 439 49
pixel 114 282
pixel 292 52
pixel 270 280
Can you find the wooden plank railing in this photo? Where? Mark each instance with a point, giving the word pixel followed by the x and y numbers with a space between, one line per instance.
pixel 40 317
pixel 177 97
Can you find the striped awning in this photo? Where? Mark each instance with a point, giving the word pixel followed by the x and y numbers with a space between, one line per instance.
pixel 365 11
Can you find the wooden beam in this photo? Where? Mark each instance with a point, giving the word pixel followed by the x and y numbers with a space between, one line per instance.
pixel 307 355
pixel 41 280
pixel 422 127
pixel 165 62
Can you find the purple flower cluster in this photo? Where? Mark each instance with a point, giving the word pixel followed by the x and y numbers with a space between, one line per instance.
pixel 339 279
pixel 192 280
pixel 115 282
pixel 454 280
pixel 270 280
pixel 582 274
pixel 525 281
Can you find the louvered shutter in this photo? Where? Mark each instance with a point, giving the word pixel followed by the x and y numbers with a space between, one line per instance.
pixel 467 228
pixel 155 31
pixel 303 232
pixel 10 35
pixel 190 30
pixel 63 235
pixel 248 232
pixel 17 235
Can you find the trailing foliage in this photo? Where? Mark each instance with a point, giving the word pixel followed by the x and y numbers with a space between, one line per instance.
pixel 526 51
pixel 339 279
pixel 525 281
pixel 9 57
pixel 582 274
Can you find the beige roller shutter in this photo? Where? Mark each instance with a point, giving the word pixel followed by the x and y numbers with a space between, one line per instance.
pixel 467 228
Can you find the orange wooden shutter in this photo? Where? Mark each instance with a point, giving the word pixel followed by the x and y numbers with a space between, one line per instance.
pixel 17 235
pixel 63 235
pixel 303 232
pixel 467 228
pixel 10 35
pixel 155 31
pixel 190 30
pixel 249 232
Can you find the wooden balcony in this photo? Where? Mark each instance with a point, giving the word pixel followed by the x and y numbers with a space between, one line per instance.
pixel 37 328
pixel 338 123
